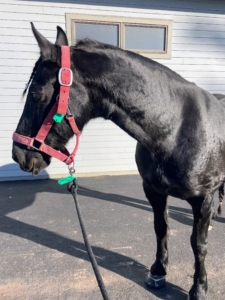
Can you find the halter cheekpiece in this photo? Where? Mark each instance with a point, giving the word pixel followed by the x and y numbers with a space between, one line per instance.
pixel 56 114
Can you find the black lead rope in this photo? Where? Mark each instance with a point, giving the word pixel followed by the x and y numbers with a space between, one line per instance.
pixel 72 188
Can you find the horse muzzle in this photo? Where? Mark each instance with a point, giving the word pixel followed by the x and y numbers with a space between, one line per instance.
pixel 29 160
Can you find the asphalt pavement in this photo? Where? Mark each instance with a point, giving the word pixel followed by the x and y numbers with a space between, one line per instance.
pixel 43 256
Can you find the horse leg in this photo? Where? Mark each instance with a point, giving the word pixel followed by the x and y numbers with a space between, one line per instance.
pixel 156 276
pixel 202 211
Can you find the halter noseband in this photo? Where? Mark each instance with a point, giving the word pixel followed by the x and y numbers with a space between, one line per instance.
pixel 56 114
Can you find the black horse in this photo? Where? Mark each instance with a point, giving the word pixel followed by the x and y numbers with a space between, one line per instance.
pixel 179 128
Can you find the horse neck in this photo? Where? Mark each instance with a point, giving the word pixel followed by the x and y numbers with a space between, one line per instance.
pixel 124 96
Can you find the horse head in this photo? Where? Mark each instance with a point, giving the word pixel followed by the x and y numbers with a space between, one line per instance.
pixel 42 93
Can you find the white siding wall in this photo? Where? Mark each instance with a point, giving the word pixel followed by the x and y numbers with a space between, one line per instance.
pixel 198 55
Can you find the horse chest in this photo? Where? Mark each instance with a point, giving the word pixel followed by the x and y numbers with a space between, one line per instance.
pixel 167 175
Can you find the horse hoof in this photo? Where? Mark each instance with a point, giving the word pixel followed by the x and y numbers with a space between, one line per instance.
pixel 155 281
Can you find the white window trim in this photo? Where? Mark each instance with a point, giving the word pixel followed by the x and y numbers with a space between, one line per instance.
pixel 168 24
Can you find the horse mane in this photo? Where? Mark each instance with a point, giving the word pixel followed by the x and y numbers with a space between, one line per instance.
pixel 93 45
pixel 90 44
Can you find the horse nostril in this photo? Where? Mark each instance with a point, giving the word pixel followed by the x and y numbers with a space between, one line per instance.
pixel 35 172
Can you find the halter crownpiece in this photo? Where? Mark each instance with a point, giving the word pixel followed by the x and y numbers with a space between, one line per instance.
pixel 57 113
pixel 65 78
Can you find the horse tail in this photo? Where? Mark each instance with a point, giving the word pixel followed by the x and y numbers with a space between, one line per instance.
pixel 221 195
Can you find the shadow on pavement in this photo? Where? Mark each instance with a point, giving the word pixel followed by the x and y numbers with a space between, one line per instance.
pixel 180 214
pixel 120 264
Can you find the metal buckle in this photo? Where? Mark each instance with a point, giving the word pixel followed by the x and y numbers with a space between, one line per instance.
pixel 71 168
pixel 37 147
pixel 60 77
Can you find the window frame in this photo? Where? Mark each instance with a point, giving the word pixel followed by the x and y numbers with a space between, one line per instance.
pixel 71 19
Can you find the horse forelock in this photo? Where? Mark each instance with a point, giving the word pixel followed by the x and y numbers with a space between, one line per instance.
pixel 31 76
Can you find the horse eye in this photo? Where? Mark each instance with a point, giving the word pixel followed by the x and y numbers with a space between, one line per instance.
pixel 35 95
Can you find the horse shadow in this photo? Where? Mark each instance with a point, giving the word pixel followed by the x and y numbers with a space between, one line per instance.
pixel 182 215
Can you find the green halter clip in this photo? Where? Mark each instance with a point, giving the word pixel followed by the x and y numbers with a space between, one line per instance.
pixel 58 117
pixel 66 179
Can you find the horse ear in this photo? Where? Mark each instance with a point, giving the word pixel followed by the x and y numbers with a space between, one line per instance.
pixel 61 38
pixel 48 50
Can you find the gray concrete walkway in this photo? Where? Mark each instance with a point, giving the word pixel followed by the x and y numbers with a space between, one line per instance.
pixel 43 254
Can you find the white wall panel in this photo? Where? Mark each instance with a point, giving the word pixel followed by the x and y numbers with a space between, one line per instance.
pixel 198 55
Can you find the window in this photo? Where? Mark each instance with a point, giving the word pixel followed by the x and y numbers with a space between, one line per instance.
pixel 148 37
pixel 145 38
pixel 105 33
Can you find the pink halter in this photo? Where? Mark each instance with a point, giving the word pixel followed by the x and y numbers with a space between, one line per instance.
pixel 56 114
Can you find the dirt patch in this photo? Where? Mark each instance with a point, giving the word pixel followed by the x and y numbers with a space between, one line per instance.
pixel 53 288
pixel 13 289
